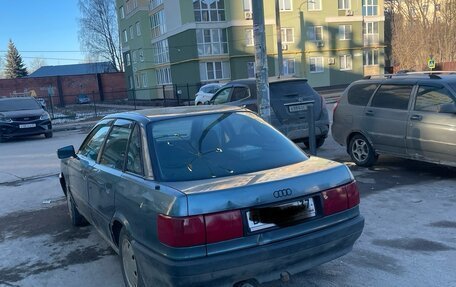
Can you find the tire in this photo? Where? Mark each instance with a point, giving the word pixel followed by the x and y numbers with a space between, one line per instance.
pixel 199 103
pixel 130 271
pixel 318 142
pixel 48 135
pixel 76 218
pixel 361 151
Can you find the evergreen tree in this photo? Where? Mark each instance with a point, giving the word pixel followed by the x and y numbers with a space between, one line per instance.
pixel 14 67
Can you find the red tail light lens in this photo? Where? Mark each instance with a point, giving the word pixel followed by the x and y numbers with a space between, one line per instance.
pixel 223 226
pixel 181 231
pixel 340 198
pixel 199 230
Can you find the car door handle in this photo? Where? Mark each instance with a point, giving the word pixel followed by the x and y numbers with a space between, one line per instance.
pixel 369 113
pixel 416 118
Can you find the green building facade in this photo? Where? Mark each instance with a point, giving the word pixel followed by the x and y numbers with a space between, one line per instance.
pixel 183 44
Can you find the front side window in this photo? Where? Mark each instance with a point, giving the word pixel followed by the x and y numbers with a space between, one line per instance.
pixel 345 32
pixel 346 62
pixel 287 35
pixel 316 64
pixel 392 97
pixel 209 10
pixel 315 33
pixel 115 147
pixel 211 42
pixel 219 145
pixel 223 96
pixel 359 95
pixel 91 146
pixel 433 99
pixel 134 155
pixel 371 58
pixel 370 8
pixel 314 5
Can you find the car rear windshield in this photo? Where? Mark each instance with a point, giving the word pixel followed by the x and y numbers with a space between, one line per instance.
pixel 218 145
pixel 291 88
pixel 9 105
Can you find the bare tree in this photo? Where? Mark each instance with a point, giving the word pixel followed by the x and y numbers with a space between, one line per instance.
pixel 421 29
pixel 98 32
pixel 37 63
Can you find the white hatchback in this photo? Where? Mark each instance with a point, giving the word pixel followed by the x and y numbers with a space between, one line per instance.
pixel 206 92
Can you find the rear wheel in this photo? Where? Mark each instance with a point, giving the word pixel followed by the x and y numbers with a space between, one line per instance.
pixel 199 103
pixel 319 141
pixel 76 218
pixel 130 270
pixel 361 151
pixel 48 135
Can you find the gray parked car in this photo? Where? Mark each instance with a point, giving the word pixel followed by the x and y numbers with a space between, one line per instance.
pixel 410 116
pixel 208 196
pixel 290 120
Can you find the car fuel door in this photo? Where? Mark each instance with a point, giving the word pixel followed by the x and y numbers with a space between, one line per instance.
pixel 431 129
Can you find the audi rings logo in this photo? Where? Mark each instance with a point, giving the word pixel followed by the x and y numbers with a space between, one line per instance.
pixel 282 193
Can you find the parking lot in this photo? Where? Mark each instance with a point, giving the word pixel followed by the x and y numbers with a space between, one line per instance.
pixel 409 237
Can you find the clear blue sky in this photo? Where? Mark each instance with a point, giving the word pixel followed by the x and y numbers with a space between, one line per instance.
pixel 45 29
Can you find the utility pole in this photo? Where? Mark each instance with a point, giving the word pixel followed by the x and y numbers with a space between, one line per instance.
pixel 279 38
pixel 261 61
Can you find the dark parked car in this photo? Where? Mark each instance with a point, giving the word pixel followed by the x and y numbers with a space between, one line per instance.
pixel 82 99
pixel 411 116
pixel 291 120
pixel 208 196
pixel 23 116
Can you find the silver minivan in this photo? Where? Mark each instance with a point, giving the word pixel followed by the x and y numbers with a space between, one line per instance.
pixel 411 116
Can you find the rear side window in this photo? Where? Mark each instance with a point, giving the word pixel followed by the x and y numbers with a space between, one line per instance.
pixel 134 158
pixel 359 95
pixel 116 145
pixel 432 99
pixel 239 93
pixel 392 97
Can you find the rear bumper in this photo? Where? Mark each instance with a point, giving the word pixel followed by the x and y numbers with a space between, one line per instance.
pixel 263 263
pixel 9 130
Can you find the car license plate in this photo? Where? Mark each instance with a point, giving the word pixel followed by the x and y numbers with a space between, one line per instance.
pixel 26 126
pixel 297 108
pixel 306 207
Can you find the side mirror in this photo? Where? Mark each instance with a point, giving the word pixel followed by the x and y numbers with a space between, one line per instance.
pixel 66 152
pixel 448 108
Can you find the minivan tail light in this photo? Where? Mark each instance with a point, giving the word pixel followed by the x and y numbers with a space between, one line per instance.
pixel 340 198
pixel 223 226
pixel 199 230
pixel 181 231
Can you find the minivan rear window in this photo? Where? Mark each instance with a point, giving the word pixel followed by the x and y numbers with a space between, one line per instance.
pixel 359 95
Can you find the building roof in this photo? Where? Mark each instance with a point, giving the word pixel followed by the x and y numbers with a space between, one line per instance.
pixel 76 69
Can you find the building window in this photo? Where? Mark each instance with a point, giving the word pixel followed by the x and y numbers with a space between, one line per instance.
pixel 249 37
pixel 137 81
pixel 247 5
pixel 122 12
pixel 145 83
pixel 344 4
pixel 209 10
pixel 214 71
pixel 131 83
pixel 125 36
pixel 161 52
pixel 371 58
pixel 316 64
pixel 127 59
pixel 288 66
pixel 346 62
pixel 131 5
pixel 370 8
pixel 251 69
pixel 345 32
pixel 141 55
pixel 285 5
pixel 315 33
pixel 287 35
pixel 157 24
pixel 371 36
pixel 155 3
pixel 314 5
pixel 163 76
pixel 211 42
pixel 134 55
pixel 138 29
pixel 131 32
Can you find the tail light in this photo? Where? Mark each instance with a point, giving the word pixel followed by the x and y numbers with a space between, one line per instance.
pixel 199 230
pixel 340 198
pixel 335 106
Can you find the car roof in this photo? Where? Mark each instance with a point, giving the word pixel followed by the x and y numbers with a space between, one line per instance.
pixel 410 78
pixel 157 114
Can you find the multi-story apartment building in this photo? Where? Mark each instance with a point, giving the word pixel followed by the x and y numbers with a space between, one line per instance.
pixel 198 41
